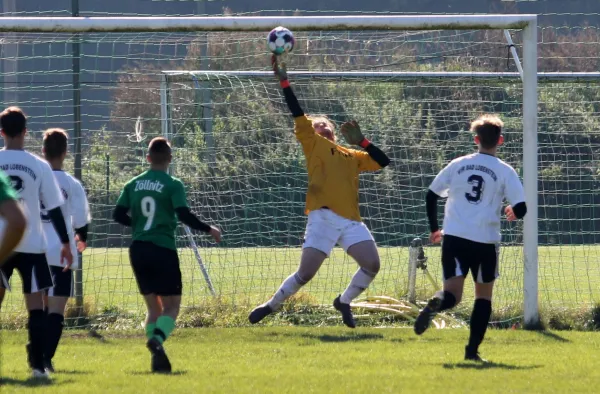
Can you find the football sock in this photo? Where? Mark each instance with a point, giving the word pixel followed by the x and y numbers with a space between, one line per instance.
pixel 54 329
pixel 479 322
pixel 288 288
pixel 150 330
pixel 164 327
pixel 448 301
pixel 35 328
pixel 360 281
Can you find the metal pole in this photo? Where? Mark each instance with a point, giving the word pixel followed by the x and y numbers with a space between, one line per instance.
pixel 265 23
pixel 206 102
pixel 530 177
pixel 75 68
pixel 107 201
pixel 9 60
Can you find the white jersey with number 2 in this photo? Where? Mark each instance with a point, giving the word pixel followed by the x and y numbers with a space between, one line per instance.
pixel 76 212
pixel 32 178
pixel 476 186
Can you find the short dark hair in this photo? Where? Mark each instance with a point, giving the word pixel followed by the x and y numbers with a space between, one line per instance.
pixel 488 128
pixel 159 151
pixel 13 121
pixel 55 143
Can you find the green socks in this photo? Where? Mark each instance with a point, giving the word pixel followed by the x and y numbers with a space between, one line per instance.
pixel 150 330
pixel 164 327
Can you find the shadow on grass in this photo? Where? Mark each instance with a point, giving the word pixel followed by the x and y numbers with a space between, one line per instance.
pixel 71 372
pixel 551 335
pixel 32 382
pixel 142 373
pixel 343 338
pixel 488 365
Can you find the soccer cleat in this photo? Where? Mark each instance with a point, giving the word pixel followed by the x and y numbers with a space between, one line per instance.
pixel 40 374
pixel 471 355
pixel 160 361
pixel 346 312
pixel 259 313
pixel 427 314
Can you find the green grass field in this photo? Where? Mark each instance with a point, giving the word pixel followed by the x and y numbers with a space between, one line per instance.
pixel 243 277
pixel 328 360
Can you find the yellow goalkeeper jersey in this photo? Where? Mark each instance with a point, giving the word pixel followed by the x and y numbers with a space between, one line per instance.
pixel 332 172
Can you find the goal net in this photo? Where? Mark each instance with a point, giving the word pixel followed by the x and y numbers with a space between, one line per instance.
pixel 413 83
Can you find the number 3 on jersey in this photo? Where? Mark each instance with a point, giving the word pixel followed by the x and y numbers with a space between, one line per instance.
pixel 477 182
pixel 148 210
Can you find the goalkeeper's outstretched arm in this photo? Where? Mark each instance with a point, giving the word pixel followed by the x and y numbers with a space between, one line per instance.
pixel 290 98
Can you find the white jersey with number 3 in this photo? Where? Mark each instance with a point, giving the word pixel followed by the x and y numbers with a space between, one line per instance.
pixel 76 212
pixel 476 185
pixel 32 178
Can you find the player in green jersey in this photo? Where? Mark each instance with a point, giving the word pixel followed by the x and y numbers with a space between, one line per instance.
pixel 15 222
pixel 155 200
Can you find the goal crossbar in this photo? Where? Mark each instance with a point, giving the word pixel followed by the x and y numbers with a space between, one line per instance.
pixel 390 76
pixel 264 23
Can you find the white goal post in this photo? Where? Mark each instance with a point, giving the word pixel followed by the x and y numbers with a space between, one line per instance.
pixel 528 23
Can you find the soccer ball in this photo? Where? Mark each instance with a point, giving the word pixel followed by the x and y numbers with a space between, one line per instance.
pixel 280 40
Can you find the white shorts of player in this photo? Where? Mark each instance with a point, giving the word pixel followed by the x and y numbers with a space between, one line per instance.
pixel 325 229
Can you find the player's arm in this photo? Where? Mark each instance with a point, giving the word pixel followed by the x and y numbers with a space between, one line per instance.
pixel 81 216
pixel 122 208
pixel 515 194
pixel 431 202
pixel 303 128
pixel 185 215
pixel 374 159
pixel 438 189
pixel 13 215
pixel 52 198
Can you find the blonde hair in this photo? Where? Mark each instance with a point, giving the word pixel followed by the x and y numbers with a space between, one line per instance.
pixel 488 128
pixel 323 119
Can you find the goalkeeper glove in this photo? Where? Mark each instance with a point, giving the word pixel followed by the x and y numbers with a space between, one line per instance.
pixel 353 135
pixel 279 69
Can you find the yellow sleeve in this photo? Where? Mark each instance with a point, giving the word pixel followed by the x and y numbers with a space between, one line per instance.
pixel 305 132
pixel 365 162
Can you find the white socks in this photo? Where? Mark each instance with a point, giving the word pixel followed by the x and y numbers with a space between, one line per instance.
pixel 288 288
pixel 360 281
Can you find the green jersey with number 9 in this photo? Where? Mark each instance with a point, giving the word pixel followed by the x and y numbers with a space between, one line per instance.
pixel 152 198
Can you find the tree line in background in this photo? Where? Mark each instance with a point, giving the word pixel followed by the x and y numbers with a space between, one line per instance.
pixel 249 175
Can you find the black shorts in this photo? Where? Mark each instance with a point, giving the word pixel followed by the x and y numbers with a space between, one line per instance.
pixel 63 283
pixel 460 255
pixel 156 269
pixel 33 268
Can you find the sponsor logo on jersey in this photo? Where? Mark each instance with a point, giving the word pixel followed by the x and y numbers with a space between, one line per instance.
pixel 147 184
pixel 478 167
pixel 18 167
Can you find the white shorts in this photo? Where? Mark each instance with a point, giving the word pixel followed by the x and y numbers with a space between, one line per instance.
pixel 325 229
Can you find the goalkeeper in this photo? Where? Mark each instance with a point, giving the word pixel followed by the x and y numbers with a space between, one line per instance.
pixel 331 204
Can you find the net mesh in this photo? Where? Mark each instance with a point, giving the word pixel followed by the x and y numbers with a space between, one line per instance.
pixel 244 170
pixel 420 124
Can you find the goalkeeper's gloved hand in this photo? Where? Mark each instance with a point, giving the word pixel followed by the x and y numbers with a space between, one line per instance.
pixel 352 134
pixel 279 69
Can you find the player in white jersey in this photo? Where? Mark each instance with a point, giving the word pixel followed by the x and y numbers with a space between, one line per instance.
pixel 33 180
pixel 476 186
pixel 77 215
